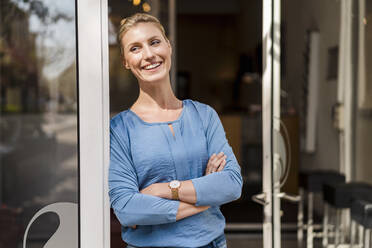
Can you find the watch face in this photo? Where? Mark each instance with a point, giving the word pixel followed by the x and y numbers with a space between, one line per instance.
pixel 174 184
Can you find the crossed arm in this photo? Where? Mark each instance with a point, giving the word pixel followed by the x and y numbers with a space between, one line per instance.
pixel 153 205
pixel 187 193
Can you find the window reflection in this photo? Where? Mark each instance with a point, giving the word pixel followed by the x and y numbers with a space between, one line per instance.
pixel 38 115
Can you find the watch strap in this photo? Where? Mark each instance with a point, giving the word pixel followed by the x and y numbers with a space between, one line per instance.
pixel 175 194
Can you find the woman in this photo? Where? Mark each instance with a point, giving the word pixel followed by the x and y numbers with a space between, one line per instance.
pixel 171 166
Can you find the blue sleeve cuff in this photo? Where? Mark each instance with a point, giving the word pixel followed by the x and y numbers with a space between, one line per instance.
pixel 154 211
pixel 173 211
pixel 199 185
pixel 197 193
pixel 216 189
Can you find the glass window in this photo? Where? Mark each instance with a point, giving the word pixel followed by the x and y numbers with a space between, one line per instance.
pixel 38 122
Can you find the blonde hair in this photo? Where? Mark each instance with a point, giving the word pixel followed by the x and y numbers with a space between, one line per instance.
pixel 129 22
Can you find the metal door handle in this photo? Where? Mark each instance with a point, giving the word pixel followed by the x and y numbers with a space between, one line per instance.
pixel 288 197
pixel 260 199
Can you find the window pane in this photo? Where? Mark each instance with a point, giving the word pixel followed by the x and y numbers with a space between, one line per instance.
pixel 38 121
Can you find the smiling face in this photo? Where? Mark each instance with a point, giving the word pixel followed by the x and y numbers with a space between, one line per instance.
pixel 147 53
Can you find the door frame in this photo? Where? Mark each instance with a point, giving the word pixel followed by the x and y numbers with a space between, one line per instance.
pixel 93 123
pixel 270 121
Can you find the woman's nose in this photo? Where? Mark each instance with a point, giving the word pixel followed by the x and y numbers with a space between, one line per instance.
pixel 147 52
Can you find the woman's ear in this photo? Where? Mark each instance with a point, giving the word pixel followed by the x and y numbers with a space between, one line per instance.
pixel 125 64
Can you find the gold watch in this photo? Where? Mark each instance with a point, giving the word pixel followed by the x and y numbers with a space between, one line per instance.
pixel 174 187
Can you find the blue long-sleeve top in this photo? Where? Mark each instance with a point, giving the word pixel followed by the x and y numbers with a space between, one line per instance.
pixel 143 153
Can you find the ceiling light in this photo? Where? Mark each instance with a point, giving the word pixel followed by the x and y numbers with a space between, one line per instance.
pixel 146 7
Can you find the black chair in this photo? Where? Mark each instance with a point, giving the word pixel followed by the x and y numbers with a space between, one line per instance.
pixel 340 196
pixel 361 216
pixel 311 182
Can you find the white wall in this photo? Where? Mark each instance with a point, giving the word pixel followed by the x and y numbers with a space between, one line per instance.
pixel 323 16
pixel 363 140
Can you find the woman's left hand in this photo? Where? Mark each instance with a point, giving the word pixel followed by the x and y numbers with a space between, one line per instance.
pixel 216 163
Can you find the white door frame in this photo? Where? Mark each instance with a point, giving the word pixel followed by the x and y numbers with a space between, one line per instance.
pixel 271 121
pixel 93 98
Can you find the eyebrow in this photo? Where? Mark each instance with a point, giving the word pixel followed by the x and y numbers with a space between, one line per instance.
pixel 151 38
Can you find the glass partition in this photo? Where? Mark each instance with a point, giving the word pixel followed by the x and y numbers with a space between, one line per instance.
pixel 38 123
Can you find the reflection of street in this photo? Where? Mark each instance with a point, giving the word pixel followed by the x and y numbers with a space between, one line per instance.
pixel 9 226
pixel 38 119
pixel 64 164
pixel 41 167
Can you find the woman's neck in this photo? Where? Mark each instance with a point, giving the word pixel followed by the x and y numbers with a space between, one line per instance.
pixel 156 96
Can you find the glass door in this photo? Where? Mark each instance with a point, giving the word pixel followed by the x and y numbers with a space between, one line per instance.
pixel 39 197
pixel 53 124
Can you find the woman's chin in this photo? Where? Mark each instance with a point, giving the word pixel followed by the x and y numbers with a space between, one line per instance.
pixel 154 78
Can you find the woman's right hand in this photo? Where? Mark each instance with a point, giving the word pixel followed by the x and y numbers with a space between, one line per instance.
pixel 216 163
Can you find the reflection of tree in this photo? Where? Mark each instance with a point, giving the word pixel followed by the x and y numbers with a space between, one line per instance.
pixel 18 73
pixel 67 90
pixel 21 59
pixel 37 8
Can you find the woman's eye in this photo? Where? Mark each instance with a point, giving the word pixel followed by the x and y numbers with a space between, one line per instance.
pixel 133 49
pixel 154 42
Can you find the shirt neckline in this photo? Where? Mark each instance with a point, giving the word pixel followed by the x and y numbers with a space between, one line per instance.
pixel 164 122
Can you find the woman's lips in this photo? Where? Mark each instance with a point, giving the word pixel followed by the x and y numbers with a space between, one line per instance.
pixel 152 66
